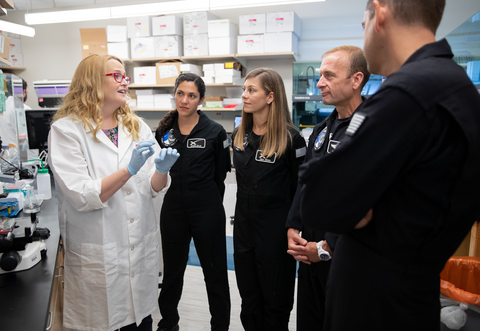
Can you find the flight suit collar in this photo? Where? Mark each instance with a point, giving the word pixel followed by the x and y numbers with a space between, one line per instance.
pixel 437 49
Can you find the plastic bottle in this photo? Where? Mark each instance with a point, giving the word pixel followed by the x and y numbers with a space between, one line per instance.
pixel 5 157
pixel 14 156
pixel 43 184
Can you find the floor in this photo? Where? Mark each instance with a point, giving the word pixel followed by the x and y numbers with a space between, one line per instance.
pixel 193 307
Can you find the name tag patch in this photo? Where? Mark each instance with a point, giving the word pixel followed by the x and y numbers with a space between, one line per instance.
pixel 225 143
pixel 332 145
pixel 260 158
pixel 196 143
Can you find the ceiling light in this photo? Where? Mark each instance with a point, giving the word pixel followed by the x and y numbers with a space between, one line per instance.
pixel 229 4
pixel 17 28
pixel 68 16
pixel 160 8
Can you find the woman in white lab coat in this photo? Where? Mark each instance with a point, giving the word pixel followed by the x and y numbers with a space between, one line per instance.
pixel 100 156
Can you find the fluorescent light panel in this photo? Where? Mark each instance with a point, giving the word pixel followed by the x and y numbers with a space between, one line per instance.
pixel 68 16
pixel 17 28
pixel 159 8
pixel 230 4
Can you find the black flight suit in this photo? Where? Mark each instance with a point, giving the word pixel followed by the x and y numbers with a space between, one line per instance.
pixel 265 272
pixel 312 278
pixel 412 155
pixel 193 207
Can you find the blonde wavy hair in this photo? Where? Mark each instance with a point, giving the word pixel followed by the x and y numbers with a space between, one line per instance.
pixel 277 135
pixel 85 98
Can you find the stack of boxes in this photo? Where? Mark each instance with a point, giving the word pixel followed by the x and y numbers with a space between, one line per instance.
pixel 283 31
pixel 117 42
pixel 222 73
pixel 252 34
pixel 222 37
pixel 269 33
pixel 16 55
pixel 195 33
pixel 168 36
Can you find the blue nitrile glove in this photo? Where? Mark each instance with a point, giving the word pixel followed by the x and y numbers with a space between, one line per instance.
pixel 140 154
pixel 166 159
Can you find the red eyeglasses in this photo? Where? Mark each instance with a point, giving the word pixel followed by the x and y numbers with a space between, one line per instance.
pixel 119 78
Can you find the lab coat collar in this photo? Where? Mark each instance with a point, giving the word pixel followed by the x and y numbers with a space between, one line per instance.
pixel 124 140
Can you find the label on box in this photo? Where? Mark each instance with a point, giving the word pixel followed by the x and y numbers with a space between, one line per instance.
pixel 167 71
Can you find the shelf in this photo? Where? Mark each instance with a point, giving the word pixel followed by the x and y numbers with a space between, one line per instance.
pixel 152 109
pixel 139 86
pixel 12 68
pixel 5 63
pixel 228 57
pixel 237 108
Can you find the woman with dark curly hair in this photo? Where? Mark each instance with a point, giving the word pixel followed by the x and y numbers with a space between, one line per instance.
pixel 193 205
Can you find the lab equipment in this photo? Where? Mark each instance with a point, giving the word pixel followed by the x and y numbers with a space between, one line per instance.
pixel 43 184
pixel 31 205
pixel 38 126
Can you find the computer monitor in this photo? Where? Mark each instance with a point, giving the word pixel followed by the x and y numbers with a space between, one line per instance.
pixel 38 127
pixel 238 120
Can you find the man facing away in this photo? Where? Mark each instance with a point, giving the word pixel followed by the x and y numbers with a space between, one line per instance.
pixel 411 155
pixel 343 74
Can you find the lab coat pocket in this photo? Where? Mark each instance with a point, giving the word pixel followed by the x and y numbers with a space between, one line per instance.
pixel 99 263
pixel 152 246
pixel 143 182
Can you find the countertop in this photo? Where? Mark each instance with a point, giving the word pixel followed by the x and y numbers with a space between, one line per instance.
pixel 25 295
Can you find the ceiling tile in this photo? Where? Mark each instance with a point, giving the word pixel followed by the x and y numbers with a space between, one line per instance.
pixel 33 4
pixel 71 3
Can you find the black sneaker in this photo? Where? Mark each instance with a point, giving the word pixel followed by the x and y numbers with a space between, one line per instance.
pixel 175 328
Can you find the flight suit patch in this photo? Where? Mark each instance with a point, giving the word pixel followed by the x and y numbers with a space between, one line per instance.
pixel 320 139
pixel 196 143
pixel 169 139
pixel 355 123
pixel 332 145
pixel 260 158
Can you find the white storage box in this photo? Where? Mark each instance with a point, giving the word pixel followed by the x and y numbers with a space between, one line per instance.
pixel 226 79
pixel 251 44
pixel 284 22
pixel 208 80
pixel 208 67
pixel 252 24
pixel 139 27
pixel 195 45
pixel 168 46
pixel 142 48
pixel 17 60
pixel 145 101
pixel 148 91
pixel 219 68
pixel 193 68
pixel 145 75
pixel 164 101
pixel 197 22
pixel 116 33
pixel 231 72
pixel 222 46
pixel 222 28
pixel 15 45
pixel 281 42
pixel 232 101
pixel 120 50
pixel 208 73
pixel 214 104
pixel 167 25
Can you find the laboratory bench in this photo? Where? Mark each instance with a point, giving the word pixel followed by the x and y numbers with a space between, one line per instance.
pixel 28 298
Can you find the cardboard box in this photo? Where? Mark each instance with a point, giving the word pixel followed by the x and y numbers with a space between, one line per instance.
pixel 144 76
pixel 17 60
pixel 193 68
pixel 165 101
pixel 281 42
pixel 117 33
pixel 195 45
pixel 142 48
pixel 119 50
pixel 284 22
pixel 252 24
pixel 94 41
pixel 232 101
pixel 7 4
pixel 251 44
pixel 213 104
pixel 168 46
pixel 214 98
pixel 167 72
pixel 167 25
pixel 4 47
pixel 197 22
pixel 222 46
pixel 15 46
pixel 139 27
pixel 222 28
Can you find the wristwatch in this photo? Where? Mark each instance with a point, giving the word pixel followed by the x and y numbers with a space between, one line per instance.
pixel 323 254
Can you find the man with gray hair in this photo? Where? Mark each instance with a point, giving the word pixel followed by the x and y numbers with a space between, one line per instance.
pixel 411 156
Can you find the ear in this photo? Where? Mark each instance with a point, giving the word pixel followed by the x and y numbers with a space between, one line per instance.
pixel 270 98
pixel 380 14
pixel 201 101
pixel 357 79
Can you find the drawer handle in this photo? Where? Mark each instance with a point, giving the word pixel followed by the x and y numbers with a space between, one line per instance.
pixel 58 267
pixel 50 322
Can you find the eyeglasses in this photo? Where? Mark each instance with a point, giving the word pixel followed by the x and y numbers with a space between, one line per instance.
pixel 119 78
